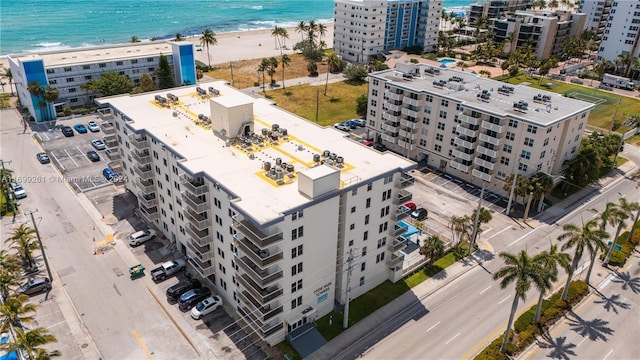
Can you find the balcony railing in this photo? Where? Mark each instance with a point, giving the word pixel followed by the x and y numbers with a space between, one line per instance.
pixel 393 96
pixel 261 257
pixel 484 163
pixel 261 277
pixel 489 139
pixel 203 252
pixel 139 142
pixel 150 214
pixel 397 244
pixel 142 157
pixel 395 260
pixel 409 112
pixel 391 107
pixel 409 124
pixel 479 174
pixel 196 187
pixel 261 294
pixel 410 101
pixel 263 331
pixel 266 311
pixel 146 186
pixel 465 144
pixel 145 171
pixel 467 119
pixel 461 155
pixel 111 144
pixel 203 267
pixel 402 197
pixel 390 126
pixel 195 203
pixel 108 128
pixel 406 144
pixel 259 238
pixel 466 131
pixel 116 166
pixel 490 126
pixel 148 200
pixel 389 138
pixel 113 154
pixel 456 165
pixel 404 180
pixel 390 117
pixel 202 237
pixel 487 151
pixel 198 220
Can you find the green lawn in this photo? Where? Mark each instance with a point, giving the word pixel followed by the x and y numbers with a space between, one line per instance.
pixel 338 105
pixel 602 114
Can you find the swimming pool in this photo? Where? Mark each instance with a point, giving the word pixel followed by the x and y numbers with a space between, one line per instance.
pixel 411 230
pixel 447 61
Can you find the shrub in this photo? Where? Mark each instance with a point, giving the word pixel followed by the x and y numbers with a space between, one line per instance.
pixel 67 111
pixel 414 61
pixel 524 320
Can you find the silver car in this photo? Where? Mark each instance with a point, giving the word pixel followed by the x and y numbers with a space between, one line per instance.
pixel 98 144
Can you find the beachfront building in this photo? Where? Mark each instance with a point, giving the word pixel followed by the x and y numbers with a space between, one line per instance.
pixel 68 70
pixel 477 129
pixel 493 9
pixel 620 34
pixel 273 210
pixel 365 28
pixel 597 12
pixel 546 31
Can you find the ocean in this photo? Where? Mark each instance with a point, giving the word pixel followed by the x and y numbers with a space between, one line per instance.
pixel 41 25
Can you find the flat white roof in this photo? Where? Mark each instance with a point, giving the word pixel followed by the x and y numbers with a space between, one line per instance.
pixel 99 54
pixel 232 166
pixel 499 104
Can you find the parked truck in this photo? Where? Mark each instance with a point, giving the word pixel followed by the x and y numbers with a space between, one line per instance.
pixel 618 81
pixel 167 270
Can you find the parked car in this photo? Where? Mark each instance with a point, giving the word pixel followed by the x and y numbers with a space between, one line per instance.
pixel 93 126
pixel 411 206
pixel 174 292
pixel 168 269
pixel 80 128
pixel 420 214
pixel 35 286
pixel 109 174
pixel 43 158
pixel 342 126
pixel 18 191
pixel 352 124
pixel 93 156
pixel 206 306
pixel 360 122
pixel 67 131
pixel 137 238
pixel 98 144
pixel 192 297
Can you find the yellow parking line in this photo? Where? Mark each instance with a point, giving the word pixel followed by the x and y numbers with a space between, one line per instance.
pixel 142 344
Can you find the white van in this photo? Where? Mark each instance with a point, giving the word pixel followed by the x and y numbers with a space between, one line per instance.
pixel 142 236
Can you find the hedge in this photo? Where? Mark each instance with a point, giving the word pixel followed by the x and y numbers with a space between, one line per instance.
pixel 619 258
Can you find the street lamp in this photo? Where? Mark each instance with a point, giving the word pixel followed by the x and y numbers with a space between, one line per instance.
pixel 44 256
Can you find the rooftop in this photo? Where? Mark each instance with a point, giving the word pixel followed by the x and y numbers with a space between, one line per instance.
pixel 239 168
pixel 96 54
pixel 543 108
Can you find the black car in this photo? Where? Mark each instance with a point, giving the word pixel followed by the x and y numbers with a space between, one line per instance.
pixel 192 297
pixel 420 214
pixel 93 156
pixel 67 131
pixel 43 158
pixel 174 292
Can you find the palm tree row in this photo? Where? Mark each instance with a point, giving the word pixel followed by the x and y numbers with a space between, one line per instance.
pixel 46 96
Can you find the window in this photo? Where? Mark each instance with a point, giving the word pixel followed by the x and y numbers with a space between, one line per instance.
pixel 362 281
pixel 510 135
pixel 297 233
pixel 296 302
pixel 525 154
pixel 134 61
pixel 86 67
pixel 523 167
pixel 443 114
pixel 546 142
pixel 353 209
pixel 119 63
pixel 368 203
pixel 365 236
pixel 532 129
pixel 507 148
pixel 364 251
pixel 542 154
pixel 297 215
pixel 363 266
pixel 513 123
pixel 366 219
pixel 528 141
pixel 379 257
pixel 444 102
pixel 429 98
pixel 437 148
pixel 382 242
pixel 68 69
pixel 296 251
pixel 296 269
pixel 296 286
pixel 504 160
pixel 70 79
pixel 352 226
pixel 102 65
pixel 439 137
pixel 440 125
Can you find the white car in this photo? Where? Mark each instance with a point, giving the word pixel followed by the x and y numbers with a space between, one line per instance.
pixel 18 191
pixel 206 306
pixel 93 127
pixel 98 144
pixel 142 236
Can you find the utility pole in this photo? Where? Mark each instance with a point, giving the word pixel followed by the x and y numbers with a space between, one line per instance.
pixel 476 221
pixel 613 121
pixel 317 103
pixel 513 187
pixel 5 184
pixel 231 67
pixel 326 83
pixel 345 319
pixel 44 256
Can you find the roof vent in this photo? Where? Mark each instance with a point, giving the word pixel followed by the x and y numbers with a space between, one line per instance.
pixel 542 98
pixel 484 96
pixel 202 92
pixel 506 90
pixel 456 79
pixel 521 106
pixel 439 83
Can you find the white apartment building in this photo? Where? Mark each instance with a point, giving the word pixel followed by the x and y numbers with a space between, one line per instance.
pixel 267 206
pixel 475 128
pixel 597 12
pixel 495 9
pixel 620 34
pixel 68 70
pixel 363 28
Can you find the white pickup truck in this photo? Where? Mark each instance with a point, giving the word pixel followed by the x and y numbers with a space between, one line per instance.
pixel 167 270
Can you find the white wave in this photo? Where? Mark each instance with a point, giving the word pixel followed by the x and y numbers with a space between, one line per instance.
pixel 264 22
pixel 49 44
pixel 256 7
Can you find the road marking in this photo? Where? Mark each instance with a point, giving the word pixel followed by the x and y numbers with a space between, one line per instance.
pixel 454 336
pixel 81 152
pixel 434 325
pixel 580 343
pixel 505 299
pixel 142 344
pixel 523 236
pixel 487 231
pixel 482 292
pixel 499 232
pixel 606 356
pixel 70 157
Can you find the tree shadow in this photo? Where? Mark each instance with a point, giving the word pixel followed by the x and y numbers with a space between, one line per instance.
pixel 559 350
pixel 594 329
pixel 627 281
pixel 612 303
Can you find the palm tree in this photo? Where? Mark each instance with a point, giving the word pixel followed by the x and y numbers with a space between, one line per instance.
pixel 208 39
pixel 23 240
pixel 285 60
pixel 460 226
pixel 432 248
pixel 525 271
pixel 312 27
pixel 44 354
pixel 625 210
pixel 322 30
pixel 179 37
pixel 302 29
pixel 30 342
pixel 36 89
pixel 50 96
pixel 262 68
pixel 334 62
pixel 445 16
pixel 9 75
pixel 9 272
pixel 15 310
pixel 550 261
pixel 134 39
pixel 275 33
pixel 589 236
pixel 271 68
pixel 625 60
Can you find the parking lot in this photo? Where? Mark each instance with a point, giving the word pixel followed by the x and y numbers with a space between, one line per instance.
pixel 69 154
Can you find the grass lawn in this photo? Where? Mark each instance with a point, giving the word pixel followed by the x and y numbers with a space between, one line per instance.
pixel 602 114
pixel 338 105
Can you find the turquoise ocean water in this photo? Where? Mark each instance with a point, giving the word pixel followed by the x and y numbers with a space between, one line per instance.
pixel 39 25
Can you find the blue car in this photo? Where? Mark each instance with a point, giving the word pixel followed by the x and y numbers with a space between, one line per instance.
pixel 80 128
pixel 109 174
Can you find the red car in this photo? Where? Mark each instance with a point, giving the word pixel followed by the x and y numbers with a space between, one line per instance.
pixel 411 206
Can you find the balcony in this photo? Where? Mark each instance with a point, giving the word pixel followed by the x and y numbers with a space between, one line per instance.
pixel 146 186
pixel 489 139
pixel 198 220
pixel 203 252
pixel 113 155
pixel 201 237
pixel 466 131
pixel 486 164
pixel 389 117
pixel 259 238
pixel 461 155
pixel 148 200
pixel 404 180
pixel 203 267
pixel 408 124
pixel 467 119
pixel 409 135
pixel 261 257
pixel 390 126
pixel 266 311
pixel 397 244
pixel 196 187
pixel 486 151
pixel 406 144
pixel 408 112
pixel 393 96
pixel 490 126
pixel 465 144
pixel 481 175
pixel 410 101
pixel 108 128
pixel 111 141
pixel 398 230
pixel 116 166
pixel 262 330
pixel 456 165
pixel 149 214
pixel 402 197
pixel 195 203
pixel 395 261
pixel 139 142
pixel 142 157
pixel 401 212
pixel 391 107
pixel 388 138
pixel 259 285
pixel 145 171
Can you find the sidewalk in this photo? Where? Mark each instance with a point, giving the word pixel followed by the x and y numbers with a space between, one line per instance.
pixel 319 80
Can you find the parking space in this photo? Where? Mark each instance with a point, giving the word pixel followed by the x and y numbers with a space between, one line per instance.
pixel 70 154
